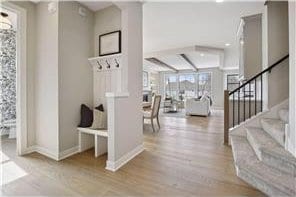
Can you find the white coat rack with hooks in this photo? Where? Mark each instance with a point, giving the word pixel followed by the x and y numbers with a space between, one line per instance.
pixel 106 63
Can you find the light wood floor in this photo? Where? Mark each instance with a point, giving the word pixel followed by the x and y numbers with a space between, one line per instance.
pixel 185 158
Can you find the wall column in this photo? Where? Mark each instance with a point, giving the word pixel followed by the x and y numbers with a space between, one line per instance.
pixel 125 108
pixel 291 134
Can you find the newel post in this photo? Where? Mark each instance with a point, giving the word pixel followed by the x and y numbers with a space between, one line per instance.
pixel 226 116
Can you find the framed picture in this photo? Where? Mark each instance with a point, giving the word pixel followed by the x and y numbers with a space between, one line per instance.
pixel 110 43
pixel 145 79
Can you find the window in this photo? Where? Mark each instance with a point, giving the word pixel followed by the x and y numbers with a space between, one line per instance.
pixel 188 85
pixel 232 81
pixel 204 84
pixel 171 86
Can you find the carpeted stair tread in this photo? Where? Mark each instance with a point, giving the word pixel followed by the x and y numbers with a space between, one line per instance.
pixel 270 152
pixel 267 179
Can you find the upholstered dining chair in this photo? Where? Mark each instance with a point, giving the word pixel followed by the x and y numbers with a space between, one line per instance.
pixel 154 112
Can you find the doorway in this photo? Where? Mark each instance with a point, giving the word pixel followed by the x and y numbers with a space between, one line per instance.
pixel 13 118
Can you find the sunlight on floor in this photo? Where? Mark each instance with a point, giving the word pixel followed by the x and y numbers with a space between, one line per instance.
pixel 9 171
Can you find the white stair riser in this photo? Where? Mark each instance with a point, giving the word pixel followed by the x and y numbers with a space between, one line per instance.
pixel 277 134
pixel 284 115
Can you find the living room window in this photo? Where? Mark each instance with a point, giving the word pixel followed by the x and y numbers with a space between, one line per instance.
pixel 204 84
pixel 188 85
pixel 171 86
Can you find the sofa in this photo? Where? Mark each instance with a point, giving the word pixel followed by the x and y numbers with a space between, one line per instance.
pixel 199 107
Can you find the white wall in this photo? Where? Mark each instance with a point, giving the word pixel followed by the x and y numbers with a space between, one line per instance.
pixel 291 137
pixel 278 47
pixel 46 80
pixel 106 20
pixel 127 127
pixel 76 45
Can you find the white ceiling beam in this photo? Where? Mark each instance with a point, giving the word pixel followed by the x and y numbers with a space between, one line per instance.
pixel 160 63
pixel 189 62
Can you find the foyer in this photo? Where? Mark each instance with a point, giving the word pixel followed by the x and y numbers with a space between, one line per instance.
pixel 185 158
pixel 92 74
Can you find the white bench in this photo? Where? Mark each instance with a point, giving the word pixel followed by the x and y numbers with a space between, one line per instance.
pixel 88 138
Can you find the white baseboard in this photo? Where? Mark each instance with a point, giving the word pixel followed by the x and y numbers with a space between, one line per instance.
pixel 69 152
pixel 29 150
pixel 44 151
pixel 113 166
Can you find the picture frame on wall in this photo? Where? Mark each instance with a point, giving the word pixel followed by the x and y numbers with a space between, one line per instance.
pixel 145 79
pixel 110 43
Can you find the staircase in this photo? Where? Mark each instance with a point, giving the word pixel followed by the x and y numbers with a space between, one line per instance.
pixel 260 158
pixel 258 138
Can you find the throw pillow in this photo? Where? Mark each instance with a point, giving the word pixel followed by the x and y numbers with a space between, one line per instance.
pixel 100 108
pixel 100 121
pixel 86 115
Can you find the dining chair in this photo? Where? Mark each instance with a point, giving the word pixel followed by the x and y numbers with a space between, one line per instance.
pixel 154 112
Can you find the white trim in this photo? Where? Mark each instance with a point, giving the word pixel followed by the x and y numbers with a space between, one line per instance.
pixel 21 80
pixel 291 137
pixel 46 152
pixel 30 149
pixel 229 68
pixel 69 152
pixel 117 94
pixel 114 166
pixel 104 57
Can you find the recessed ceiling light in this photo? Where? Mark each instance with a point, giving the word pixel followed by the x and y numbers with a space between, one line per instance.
pixel 227 44
pixel 202 54
pixel 219 1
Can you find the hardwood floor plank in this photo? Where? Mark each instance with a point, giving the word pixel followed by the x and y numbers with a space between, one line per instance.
pixel 186 157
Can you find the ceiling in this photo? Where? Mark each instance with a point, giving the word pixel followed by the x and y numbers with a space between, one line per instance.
pixel 96 5
pixel 170 24
pixel 174 24
pixel 199 60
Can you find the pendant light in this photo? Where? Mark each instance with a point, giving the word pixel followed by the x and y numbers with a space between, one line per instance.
pixel 4 21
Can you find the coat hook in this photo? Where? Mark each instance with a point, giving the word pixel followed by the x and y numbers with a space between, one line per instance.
pixel 117 63
pixel 100 66
pixel 108 65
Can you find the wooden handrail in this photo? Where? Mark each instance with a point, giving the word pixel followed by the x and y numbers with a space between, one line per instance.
pixel 261 73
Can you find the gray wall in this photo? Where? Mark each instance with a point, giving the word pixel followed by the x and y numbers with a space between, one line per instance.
pixel 278 47
pixel 46 79
pixel 75 72
pixel 252 46
pixel 106 20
